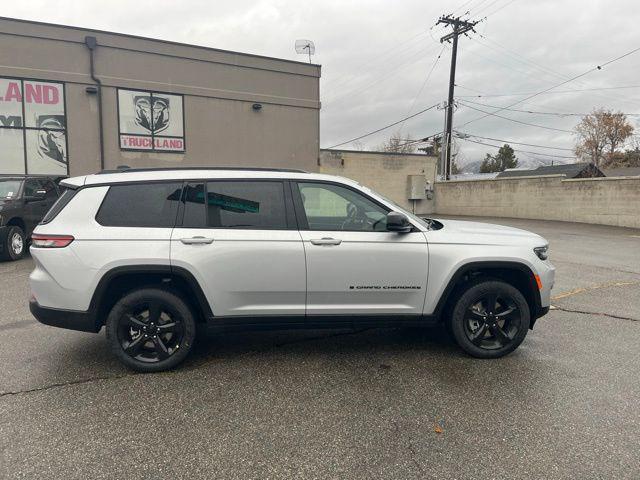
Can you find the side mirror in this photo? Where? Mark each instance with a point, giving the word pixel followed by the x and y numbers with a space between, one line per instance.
pixel 398 222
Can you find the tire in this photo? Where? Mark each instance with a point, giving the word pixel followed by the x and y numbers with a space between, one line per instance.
pixel 15 244
pixel 151 330
pixel 485 332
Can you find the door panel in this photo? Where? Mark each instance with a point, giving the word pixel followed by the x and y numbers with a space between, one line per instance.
pixel 245 272
pixel 355 266
pixel 366 273
pixel 242 246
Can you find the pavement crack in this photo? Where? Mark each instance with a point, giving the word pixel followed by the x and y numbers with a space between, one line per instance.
pixel 584 312
pixel 66 384
pixel 413 454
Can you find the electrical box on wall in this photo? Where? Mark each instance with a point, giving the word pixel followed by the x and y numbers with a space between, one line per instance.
pixel 417 187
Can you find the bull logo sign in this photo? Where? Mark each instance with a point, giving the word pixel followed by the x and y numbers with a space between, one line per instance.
pixel 150 121
pixel 32 127
pixel 152 113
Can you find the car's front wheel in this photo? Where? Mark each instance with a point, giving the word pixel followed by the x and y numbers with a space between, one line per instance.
pixel 15 244
pixel 490 319
pixel 151 330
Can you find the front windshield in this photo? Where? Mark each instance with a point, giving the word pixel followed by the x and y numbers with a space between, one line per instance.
pixel 9 188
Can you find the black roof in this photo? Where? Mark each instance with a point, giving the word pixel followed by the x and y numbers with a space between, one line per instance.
pixel 571 170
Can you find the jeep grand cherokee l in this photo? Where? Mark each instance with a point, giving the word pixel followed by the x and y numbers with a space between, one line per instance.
pixel 153 254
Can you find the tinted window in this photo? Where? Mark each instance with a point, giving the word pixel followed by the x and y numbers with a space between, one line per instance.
pixel 195 214
pixel 246 205
pixel 31 185
pixel 57 207
pixel 49 187
pixel 140 205
pixel 332 207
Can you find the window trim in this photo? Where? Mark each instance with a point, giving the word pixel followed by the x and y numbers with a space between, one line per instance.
pixel 290 218
pixel 144 182
pixel 301 214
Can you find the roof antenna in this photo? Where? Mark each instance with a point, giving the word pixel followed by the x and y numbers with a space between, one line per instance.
pixel 305 47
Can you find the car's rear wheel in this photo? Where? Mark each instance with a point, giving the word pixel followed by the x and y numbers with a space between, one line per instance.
pixel 151 330
pixel 15 244
pixel 490 319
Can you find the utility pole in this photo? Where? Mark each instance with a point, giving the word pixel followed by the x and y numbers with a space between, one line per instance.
pixel 460 27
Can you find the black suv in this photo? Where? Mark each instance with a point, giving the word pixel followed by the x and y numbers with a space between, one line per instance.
pixel 24 201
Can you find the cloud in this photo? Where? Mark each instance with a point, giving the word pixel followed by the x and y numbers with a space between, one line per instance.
pixel 375 55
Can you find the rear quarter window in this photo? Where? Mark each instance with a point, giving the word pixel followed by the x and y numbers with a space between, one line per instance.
pixel 140 205
pixel 57 207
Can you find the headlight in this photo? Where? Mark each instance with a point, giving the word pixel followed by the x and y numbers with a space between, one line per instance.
pixel 542 252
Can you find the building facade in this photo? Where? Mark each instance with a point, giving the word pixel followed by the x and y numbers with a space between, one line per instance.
pixel 75 101
pixel 405 178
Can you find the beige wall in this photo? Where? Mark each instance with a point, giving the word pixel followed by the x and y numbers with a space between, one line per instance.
pixel 606 201
pixel 219 87
pixel 385 173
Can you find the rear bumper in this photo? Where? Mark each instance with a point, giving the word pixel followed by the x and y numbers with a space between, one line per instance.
pixel 70 319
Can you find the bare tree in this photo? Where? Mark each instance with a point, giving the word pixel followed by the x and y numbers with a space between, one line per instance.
pixel 600 131
pixel 397 144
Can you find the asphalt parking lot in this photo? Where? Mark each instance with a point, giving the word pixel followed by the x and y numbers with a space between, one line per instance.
pixel 380 403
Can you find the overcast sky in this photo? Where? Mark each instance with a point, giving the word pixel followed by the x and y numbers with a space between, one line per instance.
pixel 376 55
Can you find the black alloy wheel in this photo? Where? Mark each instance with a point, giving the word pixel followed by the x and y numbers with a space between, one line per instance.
pixel 151 330
pixel 490 319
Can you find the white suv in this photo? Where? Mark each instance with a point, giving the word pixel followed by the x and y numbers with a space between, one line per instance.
pixel 153 253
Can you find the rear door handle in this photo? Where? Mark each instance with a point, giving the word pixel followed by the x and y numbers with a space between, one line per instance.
pixel 326 241
pixel 196 241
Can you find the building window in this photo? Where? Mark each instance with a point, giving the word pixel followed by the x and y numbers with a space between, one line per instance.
pixel 33 127
pixel 150 121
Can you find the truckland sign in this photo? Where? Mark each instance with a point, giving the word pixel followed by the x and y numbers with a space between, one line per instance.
pixel 33 127
pixel 150 121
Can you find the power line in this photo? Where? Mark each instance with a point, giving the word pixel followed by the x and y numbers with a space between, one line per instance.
pixel 516 150
pixel 462 135
pixel 546 93
pixel 385 127
pixel 525 61
pixel 409 60
pixel 597 67
pixel 378 57
pixel 511 119
pixel 537 112
pixel 415 99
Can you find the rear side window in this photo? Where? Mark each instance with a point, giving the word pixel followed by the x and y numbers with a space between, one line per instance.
pixel 140 205
pixel 57 207
pixel 228 204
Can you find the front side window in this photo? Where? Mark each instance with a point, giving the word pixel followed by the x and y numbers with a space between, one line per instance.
pixel 140 205
pixel 234 204
pixel 332 207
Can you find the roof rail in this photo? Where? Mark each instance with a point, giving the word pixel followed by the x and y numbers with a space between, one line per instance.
pixel 169 169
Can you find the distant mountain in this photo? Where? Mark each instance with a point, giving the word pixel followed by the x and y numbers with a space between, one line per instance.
pixel 523 163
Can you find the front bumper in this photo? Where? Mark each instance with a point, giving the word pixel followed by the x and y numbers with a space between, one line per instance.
pixel 70 319
pixel 4 231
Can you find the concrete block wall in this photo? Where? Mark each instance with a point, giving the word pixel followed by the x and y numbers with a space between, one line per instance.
pixel 386 173
pixel 605 201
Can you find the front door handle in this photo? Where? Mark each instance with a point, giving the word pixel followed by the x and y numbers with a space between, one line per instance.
pixel 326 241
pixel 196 241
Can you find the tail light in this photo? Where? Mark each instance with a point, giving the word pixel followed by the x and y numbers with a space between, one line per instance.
pixel 50 241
